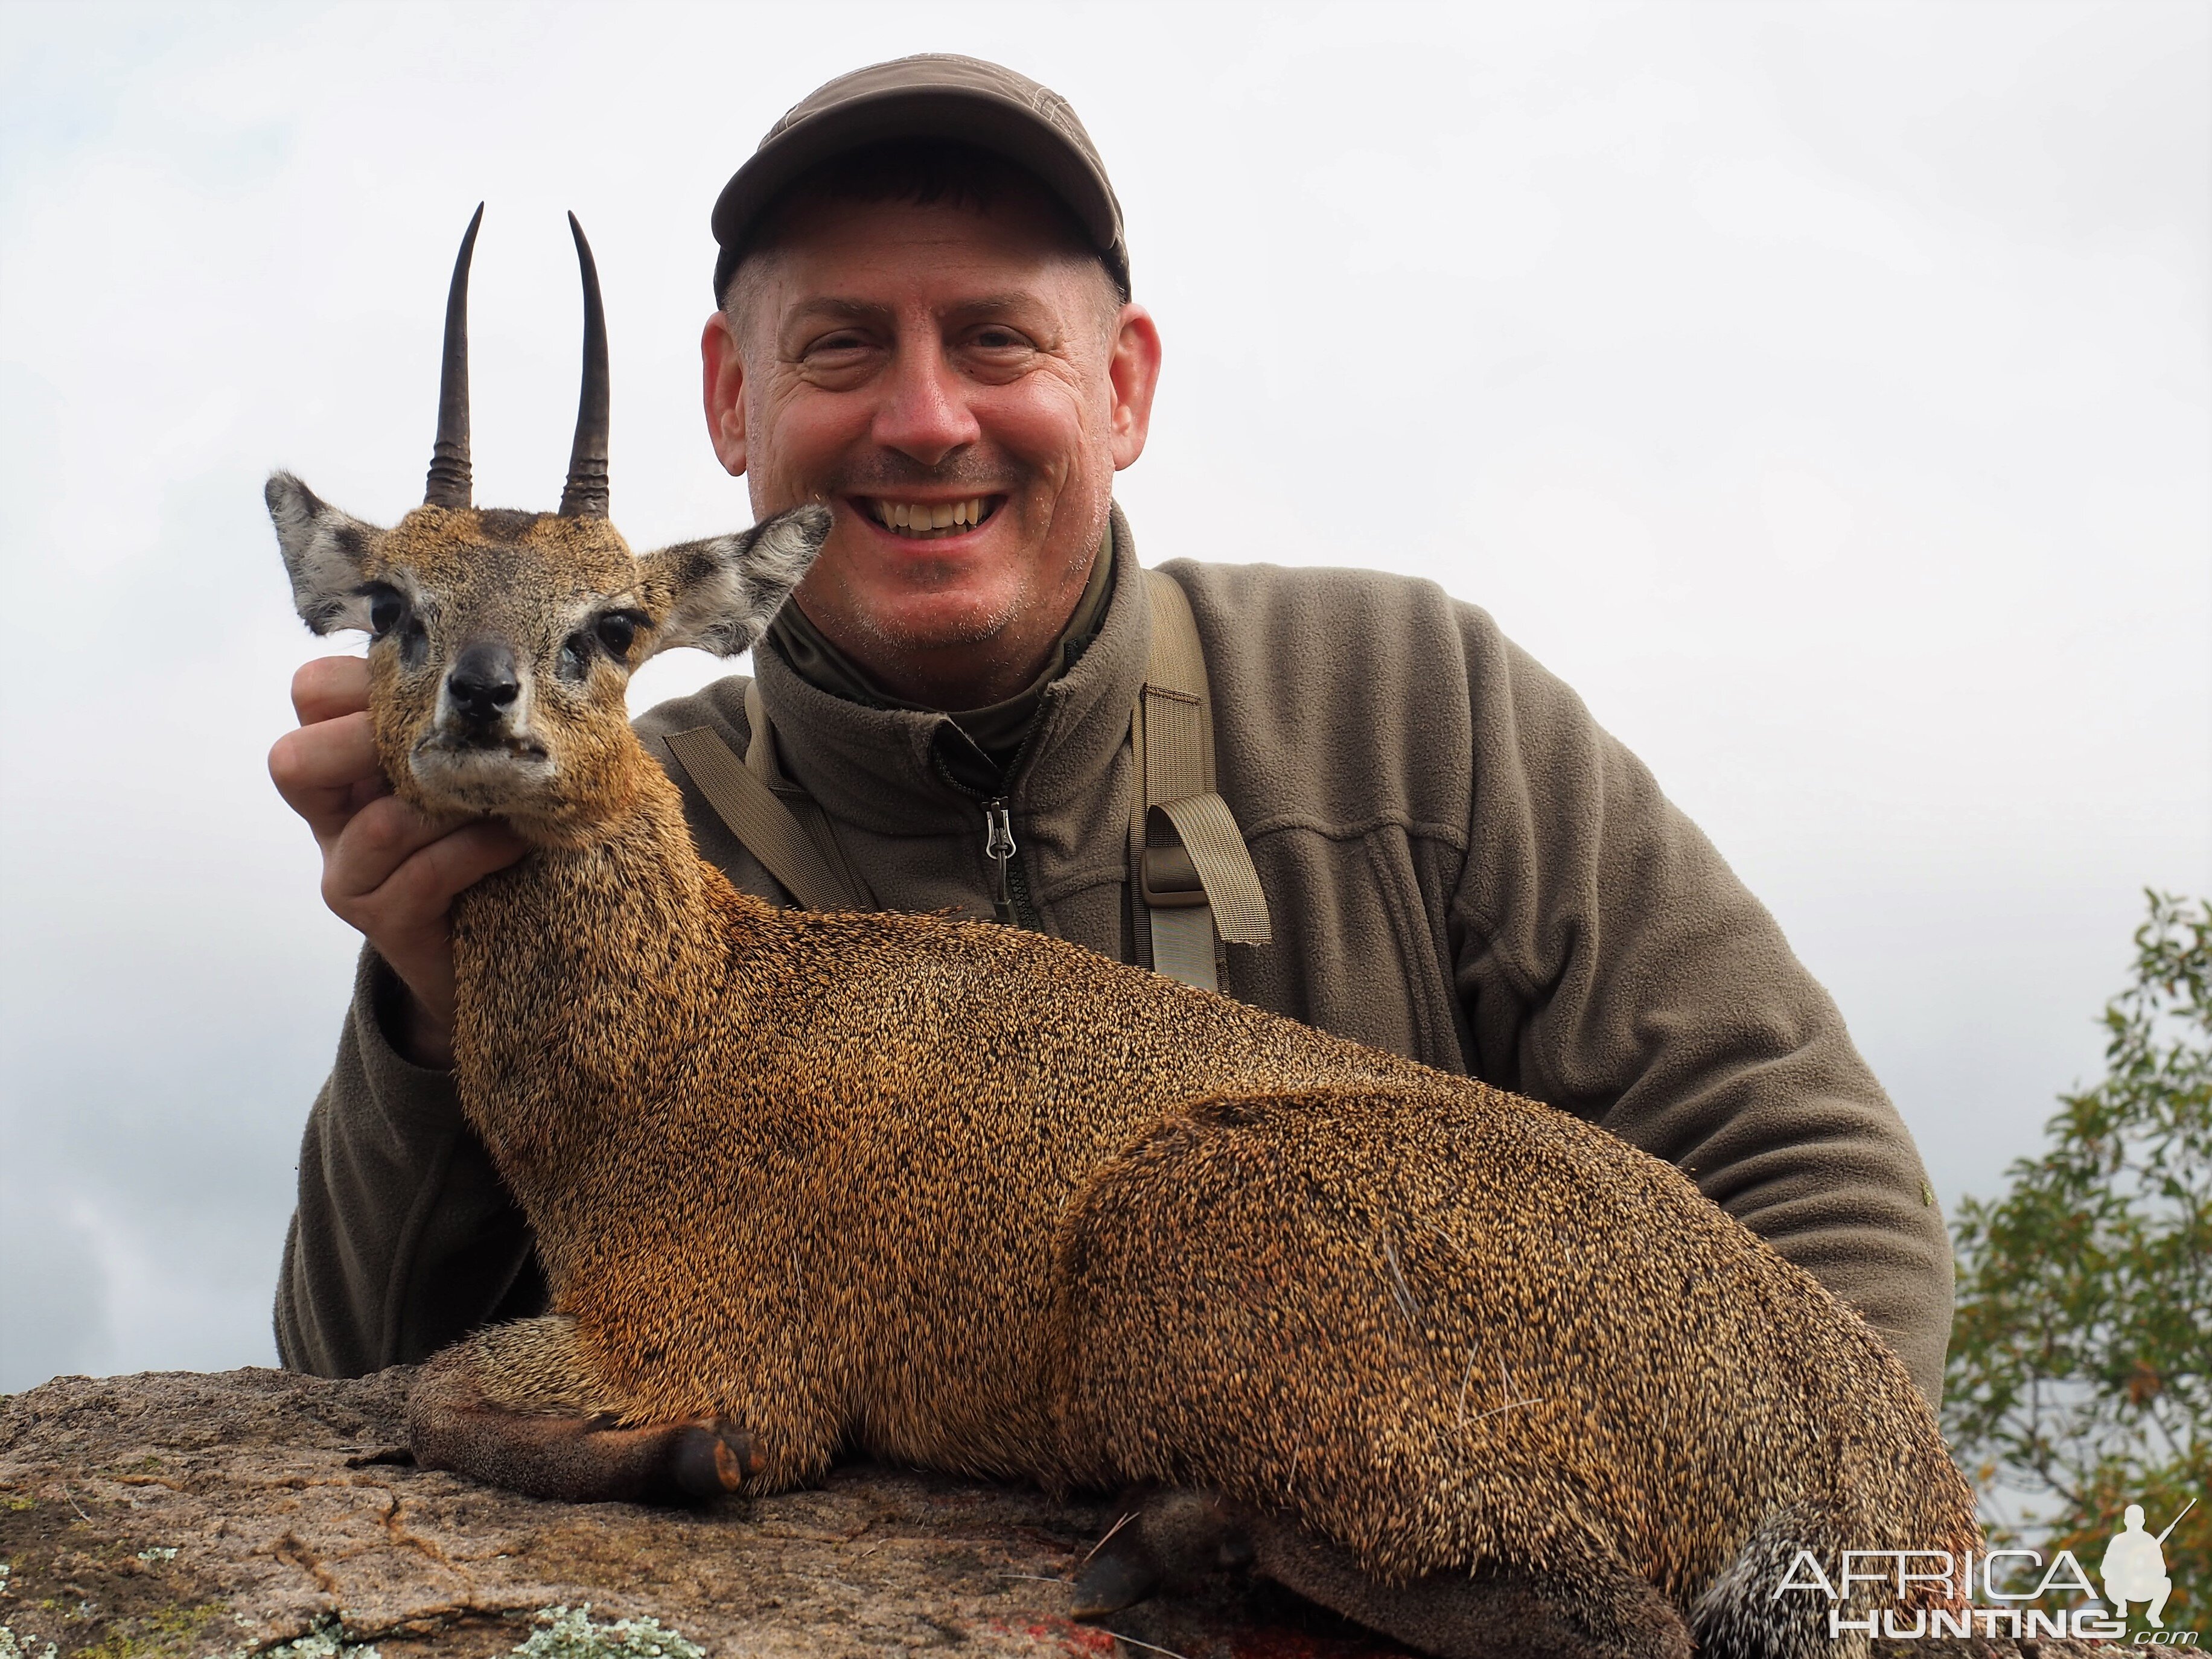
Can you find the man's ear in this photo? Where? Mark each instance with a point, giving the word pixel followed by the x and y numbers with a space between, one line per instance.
pixel 722 374
pixel 721 593
pixel 324 551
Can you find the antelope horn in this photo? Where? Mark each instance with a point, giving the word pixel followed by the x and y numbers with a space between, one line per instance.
pixel 585 494
pixel 448 484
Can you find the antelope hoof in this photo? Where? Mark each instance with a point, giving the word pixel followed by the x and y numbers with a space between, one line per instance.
pixel 1175 1540
pixel 713 1458
pixel 1120 1576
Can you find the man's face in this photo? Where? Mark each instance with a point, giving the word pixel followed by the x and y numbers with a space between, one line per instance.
pixel 909 364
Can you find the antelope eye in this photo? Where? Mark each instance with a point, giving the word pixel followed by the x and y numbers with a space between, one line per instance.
pixel 385 608
pixel 617 630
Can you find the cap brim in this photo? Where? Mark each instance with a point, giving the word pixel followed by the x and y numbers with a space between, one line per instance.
pixel 987 120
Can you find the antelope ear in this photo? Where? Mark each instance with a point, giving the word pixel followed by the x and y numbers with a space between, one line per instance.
pixel 721 593
pixel 323 551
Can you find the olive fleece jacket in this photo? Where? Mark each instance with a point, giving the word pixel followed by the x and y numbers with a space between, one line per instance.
pixel 1462 865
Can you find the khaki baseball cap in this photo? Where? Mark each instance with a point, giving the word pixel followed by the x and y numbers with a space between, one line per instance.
pixel 934 95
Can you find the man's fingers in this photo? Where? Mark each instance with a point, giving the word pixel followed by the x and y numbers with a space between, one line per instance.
pixel 387 869
pixel 326 771
pixel 375 843
pixel 328 687
pixel 425 884
pixel 394 872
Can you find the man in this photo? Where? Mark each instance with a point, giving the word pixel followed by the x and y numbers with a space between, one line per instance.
pixel 923 318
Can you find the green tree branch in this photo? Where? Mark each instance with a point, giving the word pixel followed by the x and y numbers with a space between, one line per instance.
pixel 2080 1365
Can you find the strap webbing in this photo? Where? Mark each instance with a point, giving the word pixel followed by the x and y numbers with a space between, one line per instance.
pixel 1188 865
pixel 760 747
pixel 1217 849
pixel 762 822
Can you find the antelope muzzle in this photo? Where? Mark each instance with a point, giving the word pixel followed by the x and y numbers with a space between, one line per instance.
pixel 481 689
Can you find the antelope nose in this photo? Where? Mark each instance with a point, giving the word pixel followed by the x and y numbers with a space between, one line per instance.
pixel 483 683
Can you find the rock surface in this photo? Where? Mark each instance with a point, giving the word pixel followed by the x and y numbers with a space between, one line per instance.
pixel 189 1514
pixel 257 1511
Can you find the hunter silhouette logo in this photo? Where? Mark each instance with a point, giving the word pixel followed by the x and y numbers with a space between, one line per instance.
pixel 2134 1568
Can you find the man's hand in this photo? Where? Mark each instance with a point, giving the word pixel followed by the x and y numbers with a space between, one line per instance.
pixel 386 869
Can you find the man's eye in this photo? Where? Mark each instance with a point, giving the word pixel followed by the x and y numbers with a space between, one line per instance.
pixel 1001 339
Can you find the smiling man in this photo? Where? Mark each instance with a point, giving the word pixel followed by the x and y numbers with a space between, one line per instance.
pixel 921 338
pixel 923 318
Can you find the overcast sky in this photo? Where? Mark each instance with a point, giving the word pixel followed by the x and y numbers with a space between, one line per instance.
pixel 1820 390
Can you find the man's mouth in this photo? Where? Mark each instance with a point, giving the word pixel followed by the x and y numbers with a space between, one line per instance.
pixel 924 521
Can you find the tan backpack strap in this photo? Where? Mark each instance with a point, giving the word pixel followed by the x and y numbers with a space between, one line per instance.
pixel 1222 863
pixel 765 826
pixel 761 760
pixel 1192 871
pixel 760 747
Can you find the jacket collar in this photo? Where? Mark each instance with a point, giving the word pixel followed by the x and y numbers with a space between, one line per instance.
pixel 879 769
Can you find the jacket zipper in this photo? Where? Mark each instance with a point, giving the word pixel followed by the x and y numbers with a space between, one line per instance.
pixel 1009 903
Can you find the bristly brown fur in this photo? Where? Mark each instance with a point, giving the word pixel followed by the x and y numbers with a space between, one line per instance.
pixel 972 1197
pixel 961 1195
pixel 979 1199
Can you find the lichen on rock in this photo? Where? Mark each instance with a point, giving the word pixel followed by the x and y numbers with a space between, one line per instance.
pixel 569 1633
pixel 325 1641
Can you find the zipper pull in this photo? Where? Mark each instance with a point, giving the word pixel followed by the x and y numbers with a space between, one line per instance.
pixel 999 847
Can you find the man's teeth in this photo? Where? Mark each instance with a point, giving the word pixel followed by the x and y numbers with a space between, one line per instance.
pixel 928 518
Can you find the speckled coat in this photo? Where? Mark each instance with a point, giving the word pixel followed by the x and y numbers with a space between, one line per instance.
pixel 1462 868
pixel 962 1195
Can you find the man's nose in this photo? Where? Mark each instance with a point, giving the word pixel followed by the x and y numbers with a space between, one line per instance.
pixel 483 683
pixel 924 413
